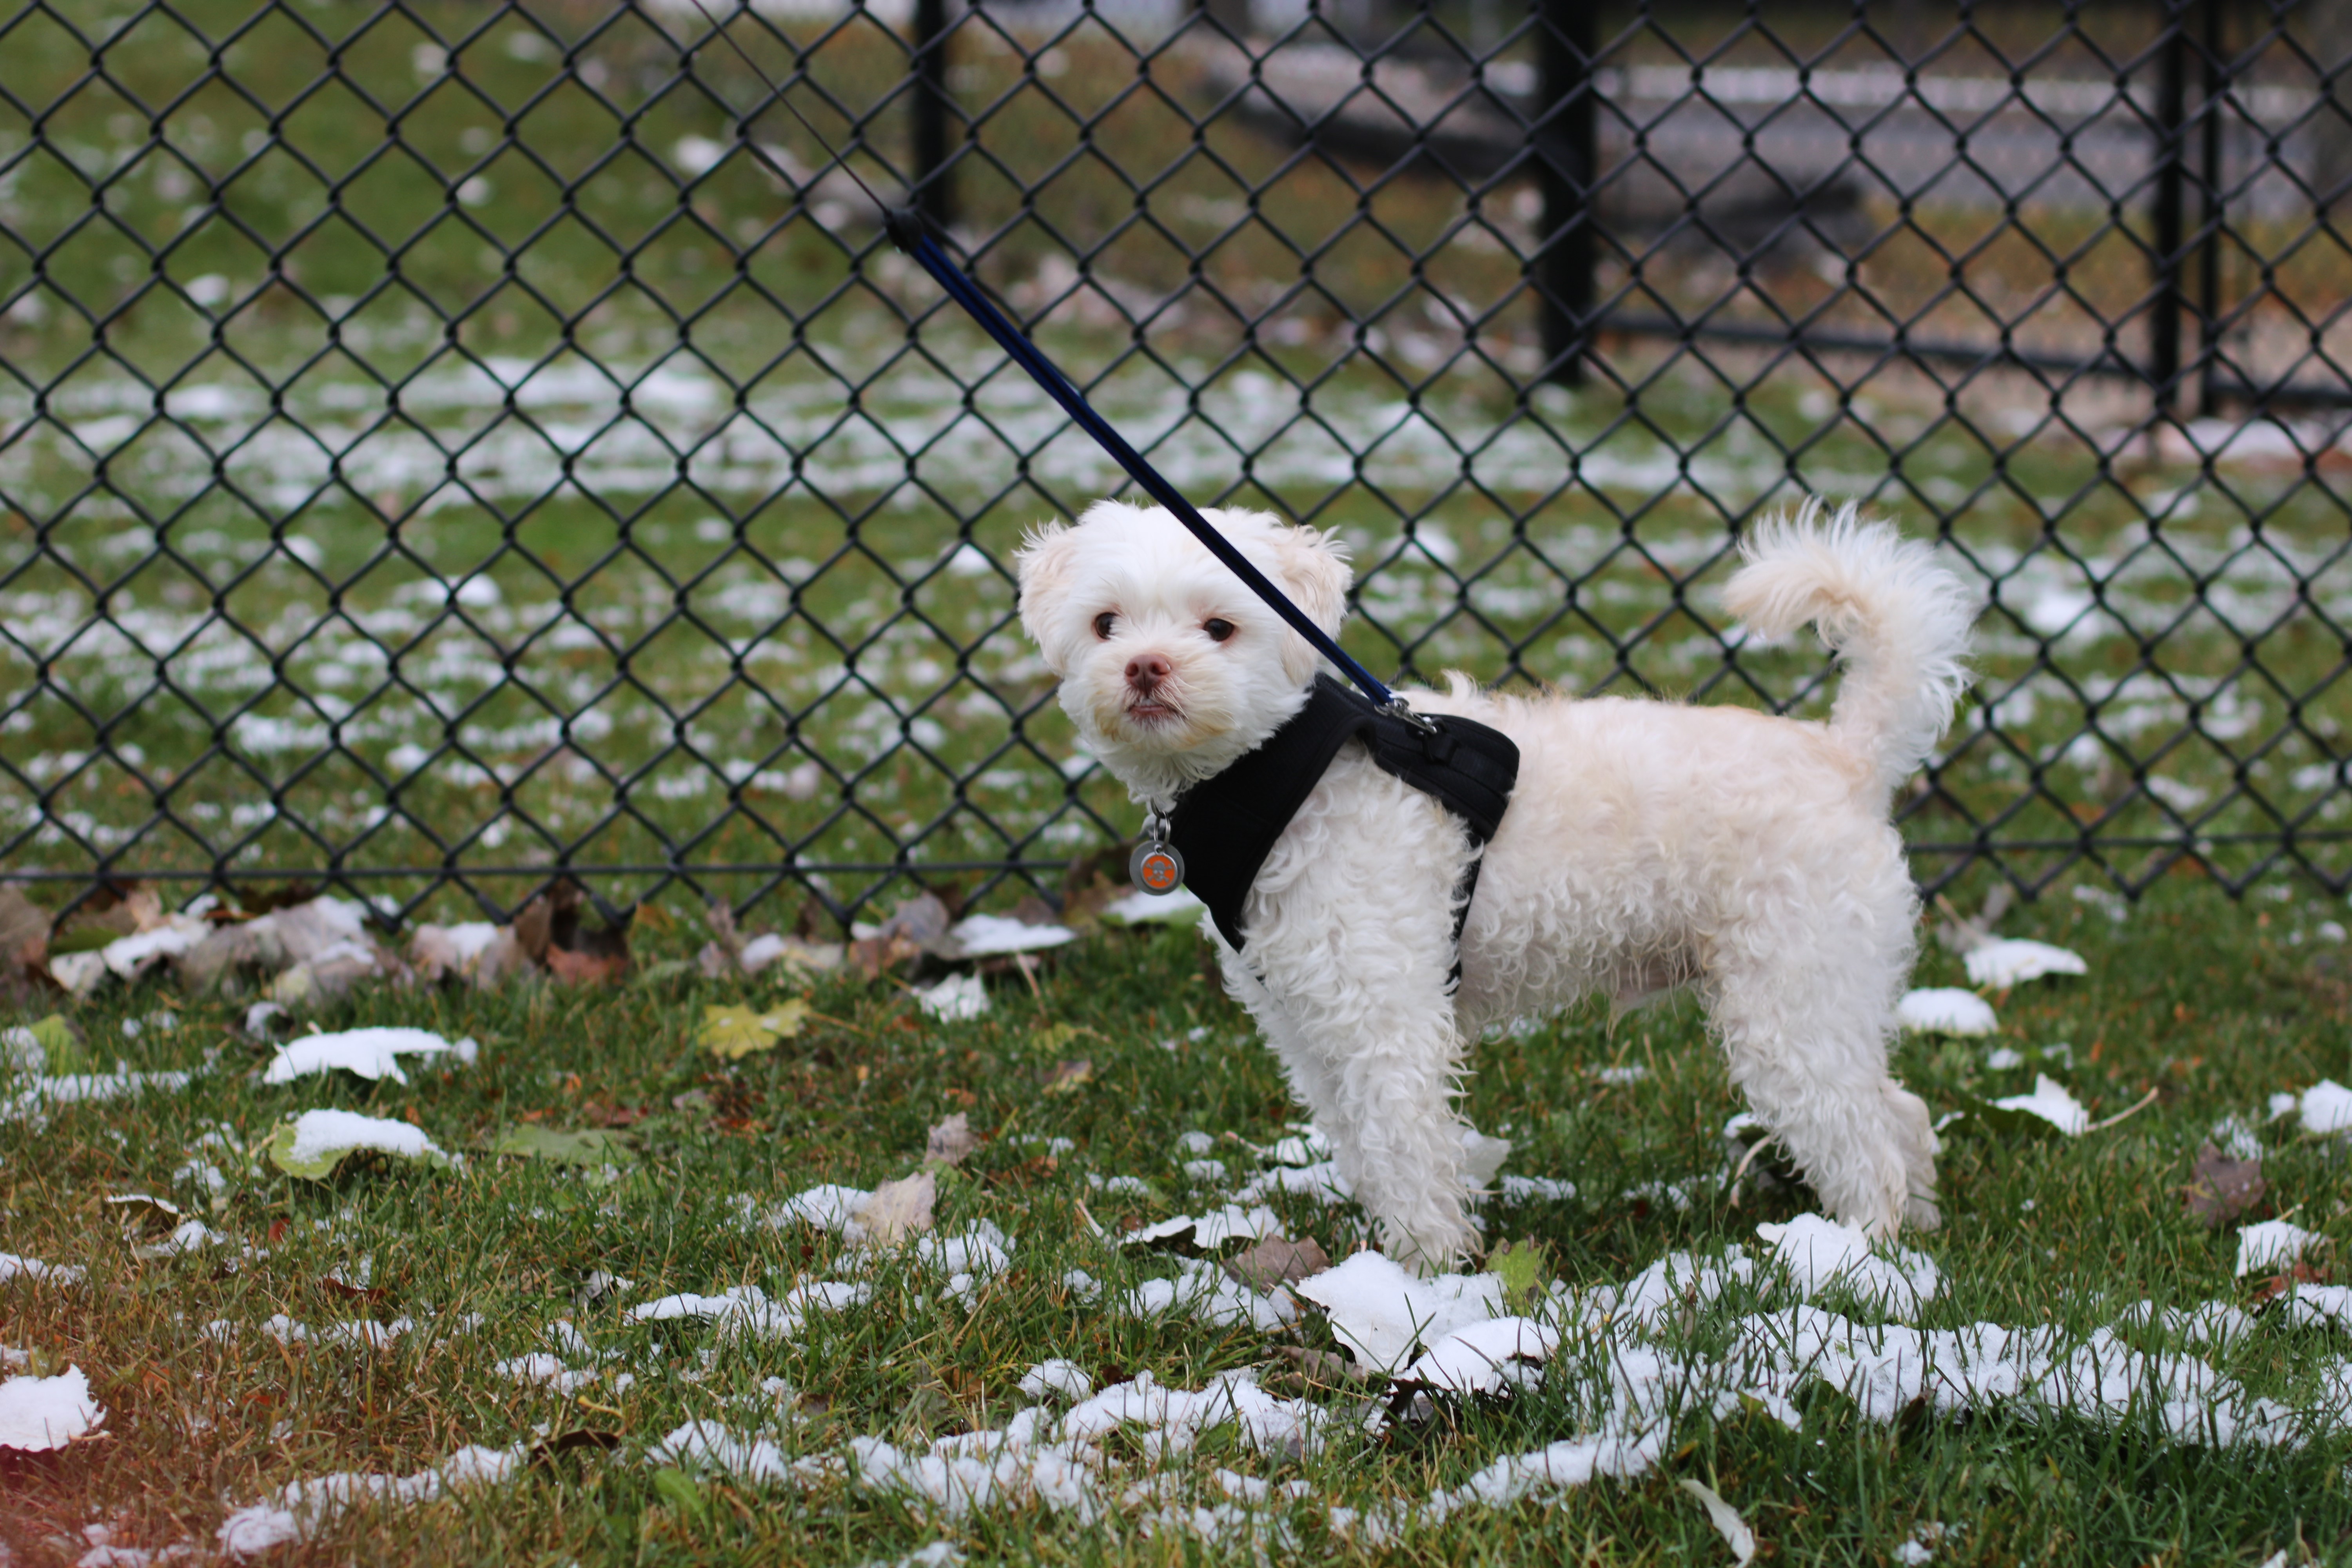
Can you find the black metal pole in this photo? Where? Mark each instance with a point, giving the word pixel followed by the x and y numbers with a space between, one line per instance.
pixel 2171 172
pixel 2210 214
pixel 934 185
pixel 1562 267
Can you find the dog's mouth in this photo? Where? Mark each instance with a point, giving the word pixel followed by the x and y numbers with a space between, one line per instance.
pixel 1153 709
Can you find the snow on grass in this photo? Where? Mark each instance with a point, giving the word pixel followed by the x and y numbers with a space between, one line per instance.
pixel 1489 1358
pixel 38 1414
pixel 2015 960
pixel 1066 1378
pixel 1381 1313
pixel 2051 1103
pixel 2325 1107
pixel 1231 1223
pixel 747 1308
pixel 1821 1256
pixel 979 936
pixel 371 1054
pixel 316 1141
pixel 14 1267
pixel 303 1508
pixel 2272 1244
pixel 1136 907
pixel 958 998
pixel 1205 1292
pixel 1944 1010
pixel 73 1089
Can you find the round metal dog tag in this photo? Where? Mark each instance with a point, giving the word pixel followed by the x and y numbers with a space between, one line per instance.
pixel 1156 867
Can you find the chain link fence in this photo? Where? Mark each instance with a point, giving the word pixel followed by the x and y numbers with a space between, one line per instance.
pixel 445 446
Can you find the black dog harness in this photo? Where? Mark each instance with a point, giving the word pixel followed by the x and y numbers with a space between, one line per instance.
pixel 1225 827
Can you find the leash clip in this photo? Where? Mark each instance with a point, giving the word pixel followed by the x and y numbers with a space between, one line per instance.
pixel 1394 708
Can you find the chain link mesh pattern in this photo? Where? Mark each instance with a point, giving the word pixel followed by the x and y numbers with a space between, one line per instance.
pixel 445 446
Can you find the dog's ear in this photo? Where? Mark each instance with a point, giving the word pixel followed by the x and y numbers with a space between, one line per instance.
pixel 1044 564
pixel 1312 568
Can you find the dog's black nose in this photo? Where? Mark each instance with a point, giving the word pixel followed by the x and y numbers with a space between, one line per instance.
pixel 1147 671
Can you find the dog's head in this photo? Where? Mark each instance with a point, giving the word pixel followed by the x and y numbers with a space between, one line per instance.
pixel 1171 668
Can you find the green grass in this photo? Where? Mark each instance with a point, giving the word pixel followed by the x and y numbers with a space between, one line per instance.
pixel 2216 1005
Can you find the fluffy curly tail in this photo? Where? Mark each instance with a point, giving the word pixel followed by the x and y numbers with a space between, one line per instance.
pixel 1899 621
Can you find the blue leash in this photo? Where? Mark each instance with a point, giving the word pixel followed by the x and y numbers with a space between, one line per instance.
pixel 908 231
pixel 910 234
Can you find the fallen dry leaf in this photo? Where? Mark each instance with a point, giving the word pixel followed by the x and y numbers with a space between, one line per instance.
pixel 900 1208
pixel 532 926
pixel 2223 1188
pixel 2284 1282
pixel 586 968
pixel 23 929
pixel 1067 1076
pixel 1278 1260
pixel 734 1033
pixel 949 1142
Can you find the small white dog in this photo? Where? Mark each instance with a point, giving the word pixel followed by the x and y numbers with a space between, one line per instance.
pixel 1648 845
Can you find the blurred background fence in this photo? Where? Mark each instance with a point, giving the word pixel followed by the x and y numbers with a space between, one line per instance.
pixel 443 445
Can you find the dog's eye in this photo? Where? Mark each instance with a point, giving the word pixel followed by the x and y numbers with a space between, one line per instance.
pixel 1102 624
pixel 1218 630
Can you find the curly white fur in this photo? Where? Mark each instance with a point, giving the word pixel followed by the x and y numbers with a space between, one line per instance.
pixel 1649 845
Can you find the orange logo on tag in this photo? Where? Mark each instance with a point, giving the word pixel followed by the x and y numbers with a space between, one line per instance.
pixel 1158 872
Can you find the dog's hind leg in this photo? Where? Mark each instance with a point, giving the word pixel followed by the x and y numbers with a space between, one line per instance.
pixel 1807 1038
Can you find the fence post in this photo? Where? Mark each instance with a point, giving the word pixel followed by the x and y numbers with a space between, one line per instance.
pixel 2172 171
pixel 1565 162
pixel 2211 213
pixel 934 191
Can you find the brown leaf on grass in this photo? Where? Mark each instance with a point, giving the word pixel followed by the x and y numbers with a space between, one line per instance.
pixel 533 926
pixel 571 1442
pixel 256 900
pixel 2284 1282
pixel 2223 1188
pixel 949 1142
pixel 548 928
pixel 24 945
pixel 1067 1076
pixel 336 1287
pixel 586 968
pixel 900 1208
pixel 1278 1260
pixel 1321 1366
pixel 722 955
pixel 97 920
pixel 872 956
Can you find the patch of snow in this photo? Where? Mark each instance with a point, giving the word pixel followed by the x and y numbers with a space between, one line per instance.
pixel 39 1414
pixel 302 1508
pixel 2270 1245
pixel 371 1053
pixel 2016 960
pixel 1139 907
pixel 319 1134
pixel 979 936
pixel 1946 1010
pixel 1379 1311
pixel 1490 1357
pixel 14 1267
pixel 2051 1103
pixel 1819 1255
pixel 2326 1107
pixel 958 998
pixel 1067 1379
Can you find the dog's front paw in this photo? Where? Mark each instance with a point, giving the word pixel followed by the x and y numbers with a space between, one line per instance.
pixel 1920 1212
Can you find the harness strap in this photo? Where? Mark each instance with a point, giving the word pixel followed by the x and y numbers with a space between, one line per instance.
pixel 1225 827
